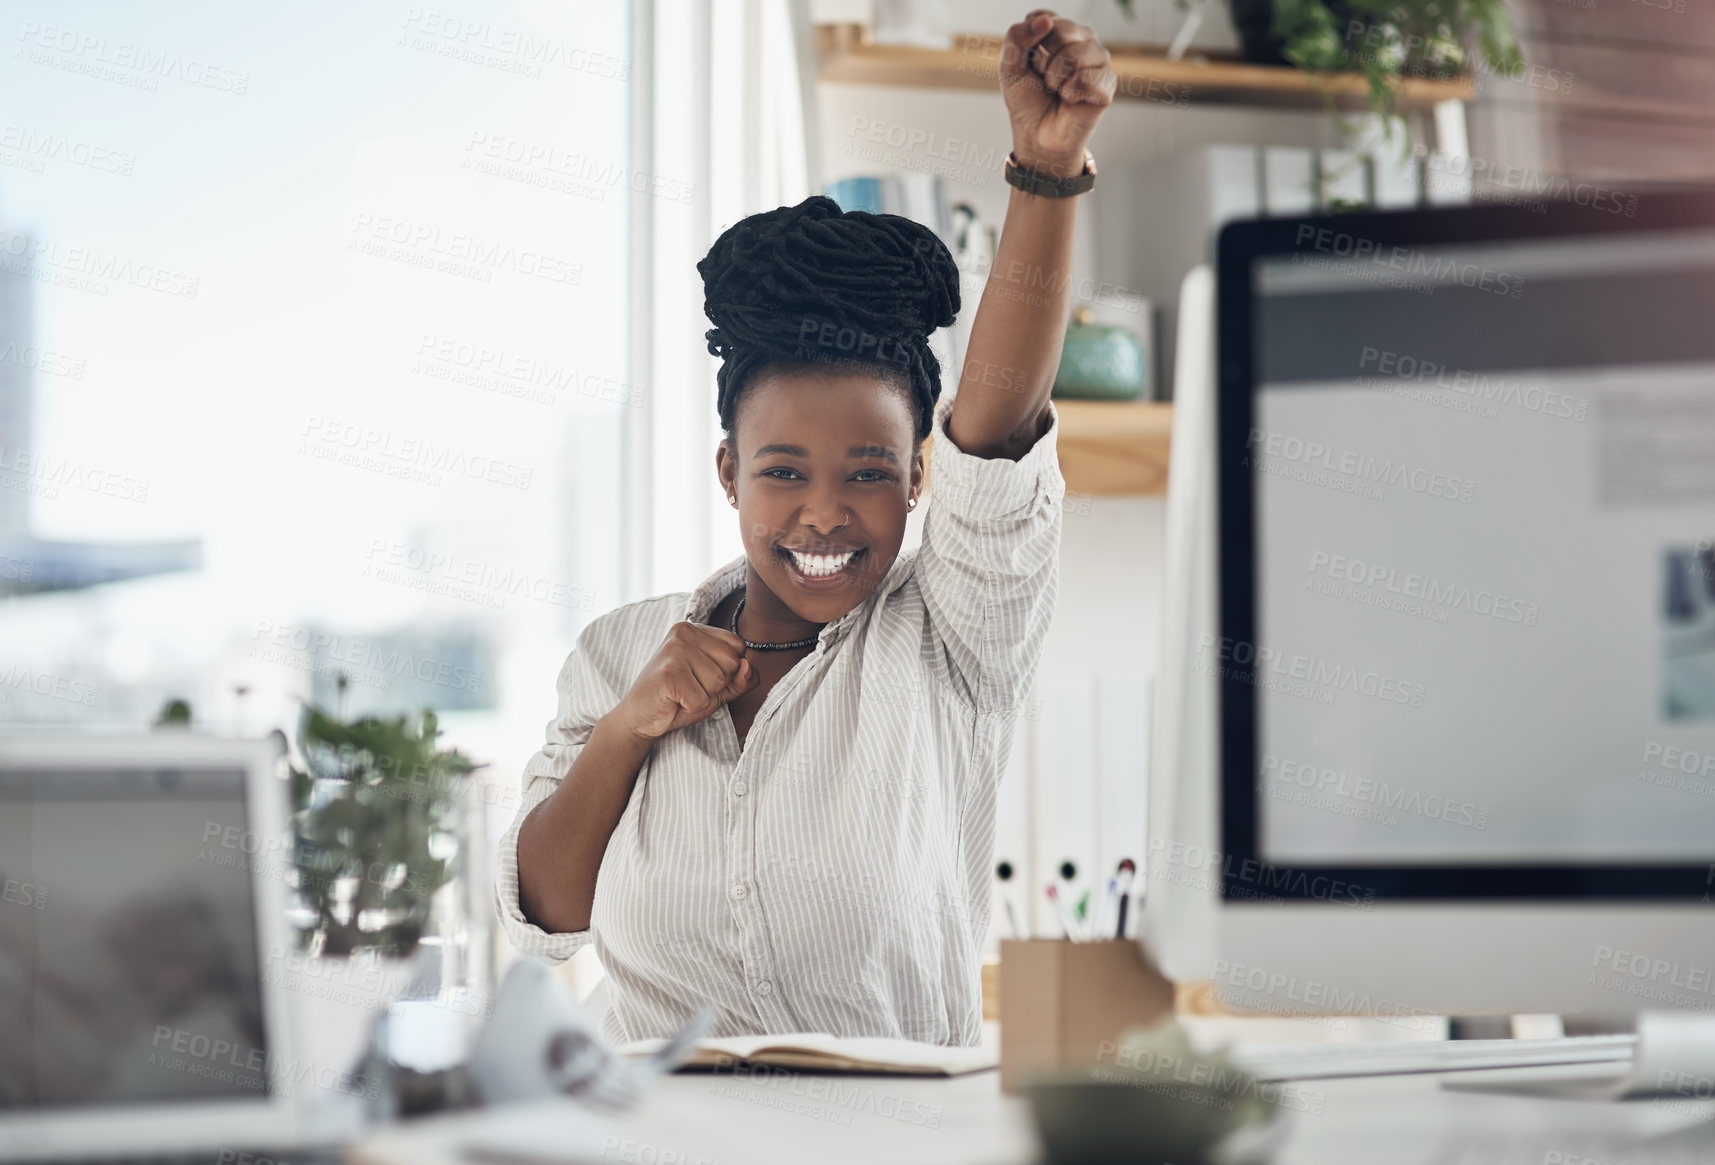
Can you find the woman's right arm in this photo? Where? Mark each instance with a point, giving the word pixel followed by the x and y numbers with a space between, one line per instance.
pixel 560 841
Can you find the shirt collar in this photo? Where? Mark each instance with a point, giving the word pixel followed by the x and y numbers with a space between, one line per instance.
pixel 730 577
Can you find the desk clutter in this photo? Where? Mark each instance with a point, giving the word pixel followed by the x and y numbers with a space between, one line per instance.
pixel 1068 1003
pixel 1089 1035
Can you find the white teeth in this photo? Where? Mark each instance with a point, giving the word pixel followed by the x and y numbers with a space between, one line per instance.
pixel 821 565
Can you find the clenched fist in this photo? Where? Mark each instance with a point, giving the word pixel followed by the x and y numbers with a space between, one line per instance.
pixel 698 669
pixel 1057 80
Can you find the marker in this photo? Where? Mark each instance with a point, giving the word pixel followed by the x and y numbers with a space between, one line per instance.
pixel 1068 876
pixel 1127 871
pixel 1004 873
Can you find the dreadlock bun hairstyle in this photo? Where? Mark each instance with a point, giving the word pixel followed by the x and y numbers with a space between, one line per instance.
pixel 812 284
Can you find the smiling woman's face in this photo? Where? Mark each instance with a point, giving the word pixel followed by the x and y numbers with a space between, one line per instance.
pixel 826 465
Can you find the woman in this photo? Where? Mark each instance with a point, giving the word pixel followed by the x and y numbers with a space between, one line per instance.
pixel 775 794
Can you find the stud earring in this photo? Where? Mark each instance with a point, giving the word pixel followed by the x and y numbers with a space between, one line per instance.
pixel 733 498
pixel 912 503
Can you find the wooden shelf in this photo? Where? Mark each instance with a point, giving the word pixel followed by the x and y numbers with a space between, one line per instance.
pixel 1110 447
pixel 847 54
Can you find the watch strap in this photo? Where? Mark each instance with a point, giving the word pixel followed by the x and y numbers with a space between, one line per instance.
pixel 1036 182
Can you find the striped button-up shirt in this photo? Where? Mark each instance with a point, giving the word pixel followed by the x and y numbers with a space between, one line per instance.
pixel 834 874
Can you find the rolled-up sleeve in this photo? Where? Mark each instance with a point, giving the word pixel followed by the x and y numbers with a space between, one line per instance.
pixel 989 563
pixel 584 697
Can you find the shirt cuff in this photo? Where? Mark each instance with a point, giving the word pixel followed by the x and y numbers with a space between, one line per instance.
pixel 983 488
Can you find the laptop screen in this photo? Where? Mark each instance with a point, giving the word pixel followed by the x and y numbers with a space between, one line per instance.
pixel 128 951
pixel 1485 551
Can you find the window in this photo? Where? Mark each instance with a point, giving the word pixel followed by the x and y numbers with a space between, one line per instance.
pixel 312 361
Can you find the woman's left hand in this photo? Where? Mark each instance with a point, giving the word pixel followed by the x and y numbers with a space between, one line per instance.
pixel 1057 79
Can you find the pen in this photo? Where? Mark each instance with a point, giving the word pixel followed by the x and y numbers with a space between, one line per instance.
pixel 1127 871
pixel 1100 924
pixel 1060 910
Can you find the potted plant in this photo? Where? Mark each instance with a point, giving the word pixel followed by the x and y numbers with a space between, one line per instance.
pixel 1386 40
pixel 378 811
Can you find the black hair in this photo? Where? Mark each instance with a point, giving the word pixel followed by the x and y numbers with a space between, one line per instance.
pixel 812 285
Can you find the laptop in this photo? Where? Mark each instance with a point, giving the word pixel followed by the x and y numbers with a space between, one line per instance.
pixel 141 886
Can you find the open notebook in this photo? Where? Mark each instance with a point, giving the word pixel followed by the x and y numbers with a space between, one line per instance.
pixel 820 1052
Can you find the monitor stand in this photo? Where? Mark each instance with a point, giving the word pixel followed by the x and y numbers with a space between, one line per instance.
pixel 1674 1059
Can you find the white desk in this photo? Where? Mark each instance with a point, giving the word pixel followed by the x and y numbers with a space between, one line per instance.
pixel 797 1119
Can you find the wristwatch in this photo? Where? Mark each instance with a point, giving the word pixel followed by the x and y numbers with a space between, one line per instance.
pixel 1035 182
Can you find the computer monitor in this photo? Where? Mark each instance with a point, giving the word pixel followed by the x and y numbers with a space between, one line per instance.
pixel 1464 645
pixel 142 892
pixel 1180 878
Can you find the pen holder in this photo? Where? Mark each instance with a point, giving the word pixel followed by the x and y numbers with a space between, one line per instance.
pixel 1063 1004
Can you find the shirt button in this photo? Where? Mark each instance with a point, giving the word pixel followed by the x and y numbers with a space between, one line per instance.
pixel 739 789
pixel 764 987
pixel 740 890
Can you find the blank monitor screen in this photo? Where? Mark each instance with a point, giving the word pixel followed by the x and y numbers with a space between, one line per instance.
pixel 128 953
pixel 1484 499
